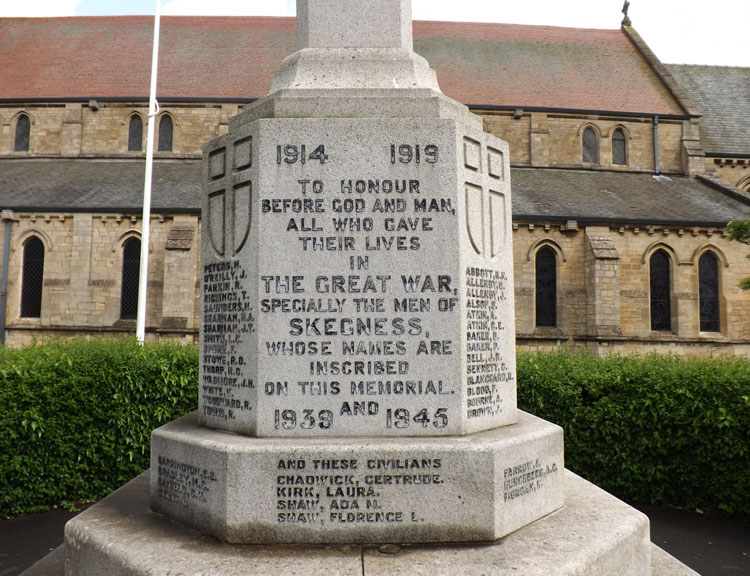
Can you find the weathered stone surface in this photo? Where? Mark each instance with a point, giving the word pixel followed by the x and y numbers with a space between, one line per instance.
pixel 357 279
pixel 353 44
pixel 477 487
pixel 662 564
pixel 355 103
pixel 594 534
pixel 339 24
pixel 127 539
pixel 121 537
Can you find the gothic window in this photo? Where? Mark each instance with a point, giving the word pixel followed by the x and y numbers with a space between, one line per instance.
pixel 546 287
pixel 33 276
pixel 165 134
pixel 619 151
pixel 590 146
pixel 131 268
pixel 23 132
pixel 708 291
pixel 135 134
pixel 661 305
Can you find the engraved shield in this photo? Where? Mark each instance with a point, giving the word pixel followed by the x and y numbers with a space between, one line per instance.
pixel 243 195
pixel 216 221
pixel 475 217
pixel 498 225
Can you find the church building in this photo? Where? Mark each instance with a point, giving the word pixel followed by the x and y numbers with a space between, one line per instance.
pixel 624 173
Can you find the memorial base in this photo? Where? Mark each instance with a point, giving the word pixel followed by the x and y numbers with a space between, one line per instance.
pixel 478 487
pixel 593 534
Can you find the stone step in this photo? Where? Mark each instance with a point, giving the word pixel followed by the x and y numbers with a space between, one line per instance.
pixel 594 534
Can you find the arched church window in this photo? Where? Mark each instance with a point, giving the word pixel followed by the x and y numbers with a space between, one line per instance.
pixel 590 146
pixel 546 287
pixel 135 134
pixel 661 300
pixel 131 268
pixel 619 149
pixel 165 134
pixel 23 133
pixel 708 292
pixel 33 278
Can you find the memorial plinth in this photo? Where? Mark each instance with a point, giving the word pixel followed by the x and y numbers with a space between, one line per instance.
pixel 357 351
pixel 477 487
pixel 357 279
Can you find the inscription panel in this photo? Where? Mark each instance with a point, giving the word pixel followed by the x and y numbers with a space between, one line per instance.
pixel 350 283
pixel 384 490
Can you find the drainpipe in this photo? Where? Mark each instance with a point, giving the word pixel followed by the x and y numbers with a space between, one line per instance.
pixel 656 146
pixel 7 217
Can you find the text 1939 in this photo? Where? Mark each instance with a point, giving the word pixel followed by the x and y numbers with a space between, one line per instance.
pixel 287 419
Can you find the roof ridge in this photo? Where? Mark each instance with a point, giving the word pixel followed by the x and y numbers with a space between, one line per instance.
pixel 677 91
pixel 722 66
pixel 515 24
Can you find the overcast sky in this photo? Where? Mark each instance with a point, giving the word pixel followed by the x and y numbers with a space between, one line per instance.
pixel 678 31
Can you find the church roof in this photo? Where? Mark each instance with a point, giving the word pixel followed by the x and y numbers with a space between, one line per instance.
pixel 722 94
pixel 87 185
pixel 78 185
pixel 603 196
pixel 233 58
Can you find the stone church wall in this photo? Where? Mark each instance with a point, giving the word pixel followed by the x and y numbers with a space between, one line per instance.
pixel 602 294
pixel 631 303
pixel 733 171
pixel 83 257
pixel 554 140
pixel 603 274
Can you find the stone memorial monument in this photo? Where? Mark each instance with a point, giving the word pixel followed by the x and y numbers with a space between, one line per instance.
pixel 357 283
pixel 357 351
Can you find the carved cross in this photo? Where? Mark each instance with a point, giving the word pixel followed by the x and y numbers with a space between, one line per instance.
pixel 626 20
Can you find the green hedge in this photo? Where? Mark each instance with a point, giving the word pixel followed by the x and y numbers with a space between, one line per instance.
pixel 77 416
pixel 661 430
pixel 76 420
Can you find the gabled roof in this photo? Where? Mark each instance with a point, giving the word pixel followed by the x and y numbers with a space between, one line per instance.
pixel 86 185
pixel 722 94
pixel 234 57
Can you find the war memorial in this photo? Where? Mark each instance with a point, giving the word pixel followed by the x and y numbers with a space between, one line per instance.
pixel 357 410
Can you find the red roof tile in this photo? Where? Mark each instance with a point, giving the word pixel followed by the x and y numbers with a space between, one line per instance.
pixel 234 58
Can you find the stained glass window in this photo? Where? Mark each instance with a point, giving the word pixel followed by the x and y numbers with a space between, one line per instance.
pixel 131 268
pixel 590 146
pixel 135 134
pixel 165 134
pixel 546 287
pixel 661 304
pixel 23 133
pixel 33 277
pixel 708 272
pixel 619 151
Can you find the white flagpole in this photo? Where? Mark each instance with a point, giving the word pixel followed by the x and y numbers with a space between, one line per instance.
pixel 140 330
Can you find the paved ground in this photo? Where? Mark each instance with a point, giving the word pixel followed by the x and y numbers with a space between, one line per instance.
pixel 709 545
